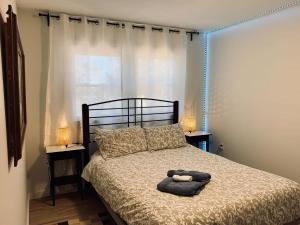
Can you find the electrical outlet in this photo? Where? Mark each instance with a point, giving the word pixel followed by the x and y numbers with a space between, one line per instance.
pixel 221 147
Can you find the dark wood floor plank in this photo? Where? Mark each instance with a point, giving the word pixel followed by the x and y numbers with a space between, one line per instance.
pixel 68 207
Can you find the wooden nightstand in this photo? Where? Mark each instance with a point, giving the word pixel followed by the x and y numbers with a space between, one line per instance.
pixel 56 153
pixel 195 137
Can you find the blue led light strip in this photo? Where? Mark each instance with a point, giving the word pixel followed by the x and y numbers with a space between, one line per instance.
pixel 205 83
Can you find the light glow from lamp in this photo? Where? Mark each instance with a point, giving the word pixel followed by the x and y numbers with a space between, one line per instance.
pixel 190 124
pixel 63 136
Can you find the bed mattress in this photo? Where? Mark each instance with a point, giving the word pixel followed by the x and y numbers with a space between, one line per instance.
pixel 236 194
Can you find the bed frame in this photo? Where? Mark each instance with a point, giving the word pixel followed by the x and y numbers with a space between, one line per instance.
pixel 133 111
pixel 128 112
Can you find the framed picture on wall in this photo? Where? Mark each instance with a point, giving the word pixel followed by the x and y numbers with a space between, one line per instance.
pixel 14 87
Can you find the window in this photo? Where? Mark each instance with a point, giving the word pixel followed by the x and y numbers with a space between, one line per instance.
pixel 97 78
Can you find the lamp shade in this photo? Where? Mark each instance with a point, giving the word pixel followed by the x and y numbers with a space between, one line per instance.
pixel 63 136
pixel 190 124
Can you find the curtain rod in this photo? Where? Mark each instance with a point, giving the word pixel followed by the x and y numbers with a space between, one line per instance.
pixel 117 24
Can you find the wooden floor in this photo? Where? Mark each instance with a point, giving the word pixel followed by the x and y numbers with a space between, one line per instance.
pixel 69 207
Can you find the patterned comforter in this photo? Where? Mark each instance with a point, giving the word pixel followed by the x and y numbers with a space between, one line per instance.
pixel 236 194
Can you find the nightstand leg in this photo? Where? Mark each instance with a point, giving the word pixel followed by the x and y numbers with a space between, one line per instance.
pixel 207 144
pixel 79 170
pixel 52 188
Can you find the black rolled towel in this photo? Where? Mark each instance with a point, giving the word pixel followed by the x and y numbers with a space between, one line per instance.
pixel 181 188
pixel 197 176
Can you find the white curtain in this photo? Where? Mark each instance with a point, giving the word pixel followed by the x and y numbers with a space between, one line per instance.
pixel 91 63
pixel 196 81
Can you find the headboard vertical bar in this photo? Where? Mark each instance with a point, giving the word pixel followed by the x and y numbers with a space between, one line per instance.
pixel 135 111
pixel 128 122
pixel 86 131
pixel 175 111
pixel 141 112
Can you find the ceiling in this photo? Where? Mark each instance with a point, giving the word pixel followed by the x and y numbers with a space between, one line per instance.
pixel 202 15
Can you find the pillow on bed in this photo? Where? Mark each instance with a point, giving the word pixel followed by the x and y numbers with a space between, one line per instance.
pixel 120 142
pixel 164 137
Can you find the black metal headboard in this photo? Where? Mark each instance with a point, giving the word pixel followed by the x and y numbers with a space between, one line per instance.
pixel 125 112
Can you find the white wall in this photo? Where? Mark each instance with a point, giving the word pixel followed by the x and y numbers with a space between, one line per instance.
pixel 34 34
pixel 13 190
pixel 254 92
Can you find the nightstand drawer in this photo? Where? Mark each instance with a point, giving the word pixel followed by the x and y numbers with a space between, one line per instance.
pixel 196 138
pixel 65 155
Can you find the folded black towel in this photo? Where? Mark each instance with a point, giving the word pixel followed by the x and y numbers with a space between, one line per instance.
pixel 197 176
pixel 181 188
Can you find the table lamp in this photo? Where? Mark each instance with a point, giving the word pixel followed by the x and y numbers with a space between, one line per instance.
pixel 190 124
pixel 63 136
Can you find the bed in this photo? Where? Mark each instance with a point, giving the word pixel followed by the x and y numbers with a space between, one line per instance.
pixel 236 194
